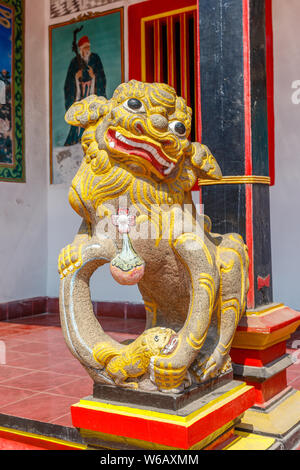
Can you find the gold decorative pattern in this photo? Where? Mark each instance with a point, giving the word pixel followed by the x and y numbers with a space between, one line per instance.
pixel 251 179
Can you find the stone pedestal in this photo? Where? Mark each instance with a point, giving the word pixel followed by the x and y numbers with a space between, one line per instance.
pixel 202 417
pixel 259 358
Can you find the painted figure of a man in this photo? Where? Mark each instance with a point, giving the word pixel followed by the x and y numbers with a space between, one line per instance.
pixel 85 77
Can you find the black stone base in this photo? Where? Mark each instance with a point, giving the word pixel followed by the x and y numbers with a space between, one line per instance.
pixel 158 400
pixel 39 428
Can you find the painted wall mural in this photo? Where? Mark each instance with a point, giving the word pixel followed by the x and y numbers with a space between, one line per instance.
pixel 66 7
pixel 86 58
pixel 12 166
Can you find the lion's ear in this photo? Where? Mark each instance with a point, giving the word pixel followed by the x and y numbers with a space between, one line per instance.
pixel 87 111
pixel 205 162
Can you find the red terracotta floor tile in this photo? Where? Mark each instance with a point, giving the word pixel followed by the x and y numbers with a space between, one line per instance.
pixel 293 372
pixel 42 376
pixel 30 361
pixel 15 331
pixel 55 339
pixel 9 395
pixel 21 327
pixel 8 372
pixel 295 354
pixel 43 407
pixel 296 384
pixel 13 342
pixel 289 350
pixel 59 353
pixel 3 324
pixel 48 334
pixel 38 381
pixel 12 358
pixel 122 336
pixel 291 376
pixel 294 368
pixel 70 367
pixel 78 388
pixel 31 347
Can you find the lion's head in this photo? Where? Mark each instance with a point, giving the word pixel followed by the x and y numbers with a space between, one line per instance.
pixel 144 127
pixel 137 143
pixel 159 340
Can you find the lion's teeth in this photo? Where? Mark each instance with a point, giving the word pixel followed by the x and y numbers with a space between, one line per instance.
pixel 122 138
pixel 149 148
pixel 111 144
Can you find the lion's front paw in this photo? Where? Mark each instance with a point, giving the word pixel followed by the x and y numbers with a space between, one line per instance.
pixel 167 376
pixel 69 260
pixel 217 364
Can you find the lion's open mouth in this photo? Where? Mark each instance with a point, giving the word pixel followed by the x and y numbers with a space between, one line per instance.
pixel 146 150
pixel 171 345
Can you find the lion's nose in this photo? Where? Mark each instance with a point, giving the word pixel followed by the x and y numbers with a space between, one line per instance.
pixel 159 122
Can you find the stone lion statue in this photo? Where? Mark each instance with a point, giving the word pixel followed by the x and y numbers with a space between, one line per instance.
pixel 133 190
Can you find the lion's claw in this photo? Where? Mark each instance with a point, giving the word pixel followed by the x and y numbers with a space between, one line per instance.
pixel 69 260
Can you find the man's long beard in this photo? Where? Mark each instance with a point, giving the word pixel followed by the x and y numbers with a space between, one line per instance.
pixel 86 56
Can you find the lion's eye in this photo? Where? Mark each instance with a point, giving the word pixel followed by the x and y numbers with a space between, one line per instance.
pixel 133 104
pixel 156 338
pixel 178 128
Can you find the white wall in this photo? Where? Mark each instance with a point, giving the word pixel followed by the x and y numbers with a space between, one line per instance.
pixel 23 211
pixel 285 195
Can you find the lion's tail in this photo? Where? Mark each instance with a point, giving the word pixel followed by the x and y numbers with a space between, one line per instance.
pixel 104 352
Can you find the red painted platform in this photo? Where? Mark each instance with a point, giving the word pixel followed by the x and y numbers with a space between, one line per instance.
pixel 40 379
pixel 142 427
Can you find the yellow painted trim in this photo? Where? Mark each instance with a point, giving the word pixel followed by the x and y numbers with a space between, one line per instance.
pixel 249 441
pixel 113 438
pixel 266 311
pixel 147 445
pixel 42 438
pixel 184 421
pixel 279 420
pixel 263 340
pixel 244 179
pixel 169 13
